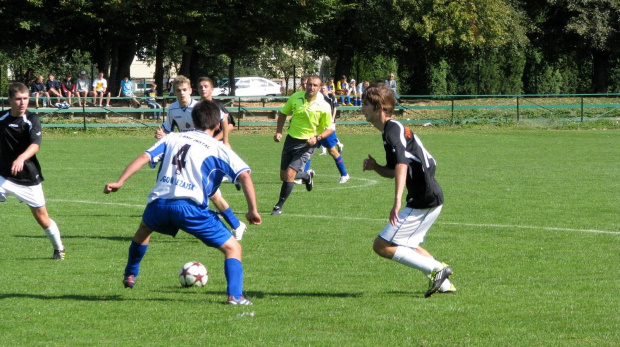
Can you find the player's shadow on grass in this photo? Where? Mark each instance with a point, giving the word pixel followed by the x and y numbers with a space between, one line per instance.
pixel 79 297
pixel 260 294
pixel 165 239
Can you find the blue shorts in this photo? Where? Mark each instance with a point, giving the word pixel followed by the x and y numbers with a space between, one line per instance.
pixel 167 216
pixel 329 141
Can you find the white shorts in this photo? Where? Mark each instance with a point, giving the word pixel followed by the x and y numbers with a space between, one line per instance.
pixel 31 195
pixel 411 230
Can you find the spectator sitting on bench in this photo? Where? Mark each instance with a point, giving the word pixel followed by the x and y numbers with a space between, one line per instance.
pixel 68 88
pixel 53 89
pixel 151 102
pixel 126 91
pixel 100 88
pixel 37 89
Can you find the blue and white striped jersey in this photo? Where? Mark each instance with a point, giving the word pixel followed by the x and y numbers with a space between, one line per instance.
pixel 192 166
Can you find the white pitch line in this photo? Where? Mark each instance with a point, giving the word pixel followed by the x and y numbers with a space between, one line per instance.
pixel 481 225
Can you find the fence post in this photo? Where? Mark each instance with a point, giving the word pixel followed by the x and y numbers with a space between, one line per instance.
pixel 517 109
pixel 582 108
pixel 452 120
pixel 84 111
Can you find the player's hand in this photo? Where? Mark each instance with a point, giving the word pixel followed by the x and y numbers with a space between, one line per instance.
pixel 254 218
pixel 159 133
pixel 313 141
pixel 111 188
pixel 18 166
pixel 369 164
pixel 394 215
pixel 277 137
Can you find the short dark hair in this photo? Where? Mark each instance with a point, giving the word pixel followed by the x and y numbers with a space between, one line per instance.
pixel 17 87
pixel 202 79
pixel 206 115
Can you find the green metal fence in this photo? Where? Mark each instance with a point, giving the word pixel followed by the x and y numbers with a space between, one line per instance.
pixel 445 109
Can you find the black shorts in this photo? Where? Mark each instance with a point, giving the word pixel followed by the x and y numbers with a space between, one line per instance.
pixel 295 154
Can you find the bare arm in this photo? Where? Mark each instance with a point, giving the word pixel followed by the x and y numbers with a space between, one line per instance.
pixel 250 196
pixel 383 171
pixel 225 130
pixel 131 169
pixel 18 164
pixel 280 125
pixel 399 187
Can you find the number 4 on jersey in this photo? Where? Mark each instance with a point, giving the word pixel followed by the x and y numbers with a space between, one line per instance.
pixel 179 159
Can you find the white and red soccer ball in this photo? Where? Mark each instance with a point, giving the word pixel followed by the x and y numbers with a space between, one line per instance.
pixel 193 274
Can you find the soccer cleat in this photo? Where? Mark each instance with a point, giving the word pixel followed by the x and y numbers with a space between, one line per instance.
pixel 344 179
pixel 2 197
pixel 59 254
pixel 276 211
pixel 310 182
pixel 437 278
pixel 238 186
pixel 451 290
pixel 340 146
pixel 238 233
pixel 129 281
pixel 240 300
pixel 298 181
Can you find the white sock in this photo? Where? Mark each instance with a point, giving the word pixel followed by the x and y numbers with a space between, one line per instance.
pixel 411 258
pixel 445 285
pixel 53 234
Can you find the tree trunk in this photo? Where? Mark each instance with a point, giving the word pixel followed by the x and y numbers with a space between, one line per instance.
pixel 231 76
pixel 186 60
pixel 600 71
pixel 159 65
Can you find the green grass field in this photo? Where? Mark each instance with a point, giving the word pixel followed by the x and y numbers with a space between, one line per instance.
pixel 530 226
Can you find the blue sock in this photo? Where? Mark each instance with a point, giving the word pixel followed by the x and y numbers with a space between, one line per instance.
pixel 230 218
pixel 136 252
pixel 234 276
pixel 308 165
pixel 340 164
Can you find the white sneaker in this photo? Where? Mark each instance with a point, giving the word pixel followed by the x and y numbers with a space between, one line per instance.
pixel 58 105
pixel 340 146
pixel 238 233
pixel 344 179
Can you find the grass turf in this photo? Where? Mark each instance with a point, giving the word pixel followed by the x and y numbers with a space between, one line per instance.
pixel 529 225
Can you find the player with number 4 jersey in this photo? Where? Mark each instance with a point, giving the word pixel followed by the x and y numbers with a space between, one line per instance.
pixel 192 166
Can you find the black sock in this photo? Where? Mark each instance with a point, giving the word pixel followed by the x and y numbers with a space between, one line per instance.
pixel 285 191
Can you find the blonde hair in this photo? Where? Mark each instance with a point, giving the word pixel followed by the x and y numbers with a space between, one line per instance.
pixel 180 79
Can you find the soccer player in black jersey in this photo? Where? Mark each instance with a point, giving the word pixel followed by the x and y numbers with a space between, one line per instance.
pixel 412 167
pixel 20 172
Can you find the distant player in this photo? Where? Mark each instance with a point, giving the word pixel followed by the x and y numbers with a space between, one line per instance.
pixel 192 165
pixel 20 172
pixel 412 167
pixel 180 117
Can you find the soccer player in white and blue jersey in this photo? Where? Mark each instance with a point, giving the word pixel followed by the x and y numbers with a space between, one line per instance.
pixel 192 166
pixel 180 117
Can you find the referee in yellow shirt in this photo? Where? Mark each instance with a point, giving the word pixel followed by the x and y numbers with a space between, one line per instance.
pixel 309 123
